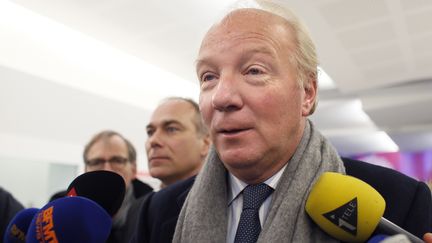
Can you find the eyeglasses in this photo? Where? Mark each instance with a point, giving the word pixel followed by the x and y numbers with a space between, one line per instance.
pixel 115 162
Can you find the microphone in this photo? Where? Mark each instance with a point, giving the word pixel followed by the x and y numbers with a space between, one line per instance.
pixel 399 238
pixel 349 209
pixel 70 220
pixel 377 238
pixel 17 228
pixel 103 187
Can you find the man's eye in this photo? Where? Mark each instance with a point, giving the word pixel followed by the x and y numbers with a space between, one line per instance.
pixel 117 160
pixel 150 132
pixel 208 77
pixel 254 71
pixel 95 162
pixel 172 129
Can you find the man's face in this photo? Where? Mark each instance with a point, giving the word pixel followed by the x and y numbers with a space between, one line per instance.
pixel 114 149
pixel 250 97
pixel 175 149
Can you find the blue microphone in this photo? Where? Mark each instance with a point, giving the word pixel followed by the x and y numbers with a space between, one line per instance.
pixel 17 228
pixel 70 220
pixel 377 238
pixel 398 238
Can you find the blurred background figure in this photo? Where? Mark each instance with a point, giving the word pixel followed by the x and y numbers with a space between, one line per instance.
pixel 177 145
pixel 108 150
pixel 9 206
pixel 177 142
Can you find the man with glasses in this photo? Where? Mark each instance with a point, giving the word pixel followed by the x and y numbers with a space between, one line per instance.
pixel 108 150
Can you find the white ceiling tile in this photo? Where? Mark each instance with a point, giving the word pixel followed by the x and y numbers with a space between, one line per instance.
pixel 399 116
pixel 344 13
pixel 424 63
pixel 415 4
pixel 422 45
pixel 386 72
pixel 419 23
pixel 367 35
pixel 376 55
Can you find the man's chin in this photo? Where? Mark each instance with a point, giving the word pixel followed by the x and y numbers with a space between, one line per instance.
pixel 237 161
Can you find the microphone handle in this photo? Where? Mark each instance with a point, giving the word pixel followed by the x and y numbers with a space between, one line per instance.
pixel 390 228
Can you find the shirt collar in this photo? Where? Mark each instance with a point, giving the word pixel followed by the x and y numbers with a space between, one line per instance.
pixel 237 185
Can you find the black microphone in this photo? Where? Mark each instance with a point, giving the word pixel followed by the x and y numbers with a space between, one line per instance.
pixel 350 209
pixel 106 188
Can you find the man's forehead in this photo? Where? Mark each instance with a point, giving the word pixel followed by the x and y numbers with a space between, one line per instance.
pixel 107 144
pixel 247 18
pixel 243 23
pixel 171 111
pixel 174 107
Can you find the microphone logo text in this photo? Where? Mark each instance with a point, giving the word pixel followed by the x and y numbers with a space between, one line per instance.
pixel 45 226
pixel 345 216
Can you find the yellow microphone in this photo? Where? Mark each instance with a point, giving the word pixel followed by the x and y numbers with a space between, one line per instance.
pixel 349 209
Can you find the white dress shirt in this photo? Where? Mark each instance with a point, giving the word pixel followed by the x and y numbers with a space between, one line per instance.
pixel 235 202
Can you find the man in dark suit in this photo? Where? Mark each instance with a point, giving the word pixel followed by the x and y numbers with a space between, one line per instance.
pixel 176 147
pixel 407 202
pixel 177 141
pixel 9 207
pixel 258 78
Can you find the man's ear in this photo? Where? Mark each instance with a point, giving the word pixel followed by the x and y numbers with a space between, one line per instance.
pixel 206 145
pixel 310 96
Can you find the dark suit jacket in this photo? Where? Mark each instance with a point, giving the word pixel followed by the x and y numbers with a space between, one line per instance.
pixel 159 213
pixel 124 234
pixel 408 203
pixel 9 207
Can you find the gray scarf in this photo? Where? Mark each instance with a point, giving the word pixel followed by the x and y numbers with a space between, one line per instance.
pixel 204 216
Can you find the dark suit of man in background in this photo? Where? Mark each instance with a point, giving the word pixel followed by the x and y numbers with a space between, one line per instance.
pixel 9 207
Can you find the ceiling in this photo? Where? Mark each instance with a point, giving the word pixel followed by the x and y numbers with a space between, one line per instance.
pixel 71 68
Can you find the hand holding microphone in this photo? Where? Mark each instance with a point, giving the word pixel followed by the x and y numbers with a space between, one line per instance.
pixel 349 209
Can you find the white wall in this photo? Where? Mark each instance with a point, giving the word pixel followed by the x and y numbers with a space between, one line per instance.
pixel 33 182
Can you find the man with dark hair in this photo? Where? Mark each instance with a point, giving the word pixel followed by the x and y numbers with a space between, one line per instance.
pixel 108 150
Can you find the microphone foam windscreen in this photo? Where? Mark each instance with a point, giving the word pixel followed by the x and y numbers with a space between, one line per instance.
pixel 345 207
pixel 104 187
pixel 70 220
pixel 18 226
pixel 377 238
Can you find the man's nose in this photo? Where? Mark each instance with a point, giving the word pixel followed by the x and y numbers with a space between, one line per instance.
pixel 227 93
pixel 155 139
pixel 107 166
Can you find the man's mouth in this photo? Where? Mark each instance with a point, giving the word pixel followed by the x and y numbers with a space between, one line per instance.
pixel 232 131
